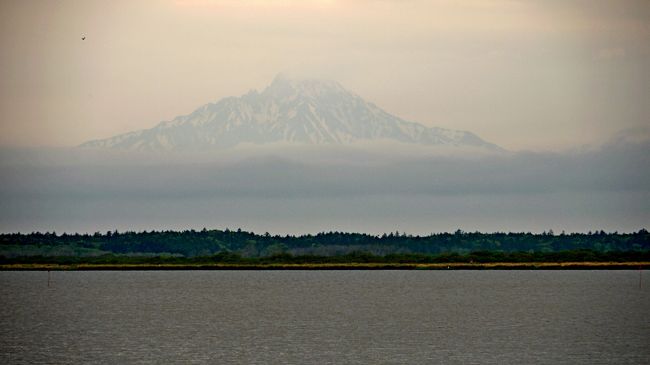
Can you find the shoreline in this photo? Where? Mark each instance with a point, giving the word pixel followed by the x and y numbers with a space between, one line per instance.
pixel 345 266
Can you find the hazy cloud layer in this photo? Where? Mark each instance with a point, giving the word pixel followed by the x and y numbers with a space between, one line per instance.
pixel 607 188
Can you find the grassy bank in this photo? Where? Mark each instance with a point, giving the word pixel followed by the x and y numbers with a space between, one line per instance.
pixel 338 266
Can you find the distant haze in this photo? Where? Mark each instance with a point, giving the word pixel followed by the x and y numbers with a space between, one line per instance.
pixel 540 75
pixel 531 115
pixel 303 112
pixel 326 188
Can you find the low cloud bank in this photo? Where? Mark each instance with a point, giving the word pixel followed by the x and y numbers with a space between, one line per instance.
pixel 302 190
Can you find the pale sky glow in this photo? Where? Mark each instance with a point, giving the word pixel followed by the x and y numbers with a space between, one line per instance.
pixel 539 75
pixel 564 86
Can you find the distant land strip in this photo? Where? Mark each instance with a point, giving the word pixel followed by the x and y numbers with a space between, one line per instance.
pixel 241 250
pixel 336 266
pixel 241 247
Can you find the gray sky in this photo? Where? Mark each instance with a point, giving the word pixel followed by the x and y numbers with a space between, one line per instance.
pixel 64 190
pixel 541 75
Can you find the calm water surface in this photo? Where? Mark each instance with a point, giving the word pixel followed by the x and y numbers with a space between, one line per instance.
pixel 325 317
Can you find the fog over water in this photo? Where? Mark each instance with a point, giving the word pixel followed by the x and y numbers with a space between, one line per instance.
pixel 311 189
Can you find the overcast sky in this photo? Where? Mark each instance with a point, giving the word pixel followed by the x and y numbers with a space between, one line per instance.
pixel 607 189
pixel 541 75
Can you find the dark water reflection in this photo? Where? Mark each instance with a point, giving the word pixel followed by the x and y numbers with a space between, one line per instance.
pixel 321 317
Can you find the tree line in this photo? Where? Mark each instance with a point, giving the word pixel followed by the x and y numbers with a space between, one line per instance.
pixel 396 245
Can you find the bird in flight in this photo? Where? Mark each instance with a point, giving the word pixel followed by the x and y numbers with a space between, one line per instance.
pixel 83 38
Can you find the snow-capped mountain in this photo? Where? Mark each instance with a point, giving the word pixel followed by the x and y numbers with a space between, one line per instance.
pixel 300 111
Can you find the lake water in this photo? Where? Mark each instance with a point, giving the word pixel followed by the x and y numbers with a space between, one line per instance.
pixel 325 317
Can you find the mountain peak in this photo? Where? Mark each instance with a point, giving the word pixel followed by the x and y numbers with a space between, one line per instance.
pixel 285 86
pixel 281 78
pixel 307 111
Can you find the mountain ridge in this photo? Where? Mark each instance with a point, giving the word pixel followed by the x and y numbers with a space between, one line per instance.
pixel 309 111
